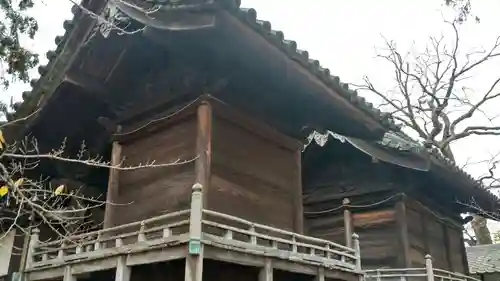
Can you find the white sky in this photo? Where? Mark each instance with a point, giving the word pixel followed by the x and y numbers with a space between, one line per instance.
pixel 342 35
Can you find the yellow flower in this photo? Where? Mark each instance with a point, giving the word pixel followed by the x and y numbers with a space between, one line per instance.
pixel 59 190
pixel 3 191
pixel 2 140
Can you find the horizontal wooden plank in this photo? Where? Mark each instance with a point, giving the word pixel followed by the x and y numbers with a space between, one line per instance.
pixel 373 218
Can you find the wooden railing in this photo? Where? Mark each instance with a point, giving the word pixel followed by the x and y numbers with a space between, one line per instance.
pixel 416 274
pixel 196 227
pixel 216 228
pixel 228 229
pixel 160 227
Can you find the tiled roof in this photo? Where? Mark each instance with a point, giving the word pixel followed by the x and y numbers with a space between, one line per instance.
pixel 289 47
pixel 402 142
pixel 399 140
pixel 484 258
pixel 247 16
pixel 61 58
pixel 58 61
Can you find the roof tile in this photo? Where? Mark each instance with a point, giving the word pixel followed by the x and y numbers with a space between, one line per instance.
pixel 289 47
pixel 484 258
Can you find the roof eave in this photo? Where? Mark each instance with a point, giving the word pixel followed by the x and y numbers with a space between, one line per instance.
pixel 52 75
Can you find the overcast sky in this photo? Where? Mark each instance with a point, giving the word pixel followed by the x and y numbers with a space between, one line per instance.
pixel 343 36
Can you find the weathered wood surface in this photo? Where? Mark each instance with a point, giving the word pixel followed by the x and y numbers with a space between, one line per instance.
pixel 378 233
pixel 252 177
pixel 377 230
pixel 113 192
pixel 432 233
pixel 152 191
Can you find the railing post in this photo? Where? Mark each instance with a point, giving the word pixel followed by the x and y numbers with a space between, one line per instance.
pixel 347 222
pixel 60 253
pixel 294 244
pixel 167 232
pixel 357 251
pixel 118 242
pixel 34 240
pixel 97 242
pixel 428 268
pixel 141 237
pixel 253 238
pixel 195 219
pixel 79 248
pixel 194 260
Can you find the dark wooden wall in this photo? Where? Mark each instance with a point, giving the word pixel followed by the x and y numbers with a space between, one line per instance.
pixel 252 176
pixel 346 174
pixel 154 191
pixel 377 230
pixel 379 236
pixel 397 233
pixel 434 234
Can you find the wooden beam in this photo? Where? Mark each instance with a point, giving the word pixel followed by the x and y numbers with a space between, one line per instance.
pixel 113 184
pixel 325 194
pixel 266 273
pixel 296 266
pixel 404 244
pixel 297 198
pixel 90 84
pixel 122 270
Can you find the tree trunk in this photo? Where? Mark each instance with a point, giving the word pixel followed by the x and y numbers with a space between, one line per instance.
pixel 483 235
pixel 479 224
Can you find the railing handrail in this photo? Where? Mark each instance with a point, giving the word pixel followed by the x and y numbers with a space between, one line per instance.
pixel 394 269
pixel 114 228
pixel 317 249
pixel 410 272
pixel 280 231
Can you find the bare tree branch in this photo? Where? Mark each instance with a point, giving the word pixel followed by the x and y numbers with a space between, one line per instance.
pixel 431 96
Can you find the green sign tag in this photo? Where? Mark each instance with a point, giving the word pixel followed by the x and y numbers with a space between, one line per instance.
pixel 194 247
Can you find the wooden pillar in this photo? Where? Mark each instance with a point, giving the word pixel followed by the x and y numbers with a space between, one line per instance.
pixel 68 276
pixel 113 183
pixel 204 147
pixel 194 259
pixel 122 270
pixel 404 244
pixel 321 274
pixel 297 199
pixel 347 222
pixel 465 263
pixel 447 246
pixel 33 242
pixel 266 273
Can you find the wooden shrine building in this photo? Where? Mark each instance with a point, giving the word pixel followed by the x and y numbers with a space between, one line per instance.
pixel 205 83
